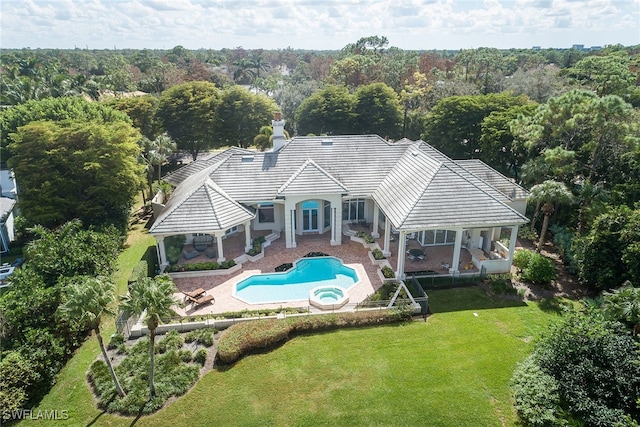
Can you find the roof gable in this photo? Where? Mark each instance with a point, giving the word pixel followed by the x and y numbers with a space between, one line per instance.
pixel 199 205
pixel 311 179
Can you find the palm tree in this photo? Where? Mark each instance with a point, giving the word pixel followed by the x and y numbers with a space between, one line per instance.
pixel 623 304
pixel 153 296
pixel 549 194
pixel 88 299
pixel 159 150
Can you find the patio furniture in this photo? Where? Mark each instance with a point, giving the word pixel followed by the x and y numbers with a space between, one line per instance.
pixel 195 302
pixel 194 294
pixel 190 254
pixel 210 252
pixel 200 243
pixel 414 254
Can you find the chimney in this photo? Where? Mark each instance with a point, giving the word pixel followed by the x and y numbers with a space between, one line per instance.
pixel 278 131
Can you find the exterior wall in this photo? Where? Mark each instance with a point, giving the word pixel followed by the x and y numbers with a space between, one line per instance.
pixel 8 184
pixel 276 225
pixel 519 205
pixel 7 232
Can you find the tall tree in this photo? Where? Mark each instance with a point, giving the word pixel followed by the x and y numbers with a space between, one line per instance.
pixel 88 299
pixel 92 172
pixel 378 110
pixel 188 114
pixel 623 304
pixel 159 150
pixel 240 115
pixel 330 111
pixel 142 112
pixel 549 195
pixel 154 298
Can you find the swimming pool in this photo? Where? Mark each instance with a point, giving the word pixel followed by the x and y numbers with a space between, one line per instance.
pixel 295 284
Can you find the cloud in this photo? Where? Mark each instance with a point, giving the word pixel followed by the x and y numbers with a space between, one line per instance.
pixel 315 24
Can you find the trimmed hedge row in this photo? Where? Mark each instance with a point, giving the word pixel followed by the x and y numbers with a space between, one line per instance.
pixel 245 338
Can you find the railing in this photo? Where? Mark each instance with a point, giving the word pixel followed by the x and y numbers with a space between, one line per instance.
pixel 438 281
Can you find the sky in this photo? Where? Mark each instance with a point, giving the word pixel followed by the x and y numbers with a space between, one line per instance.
pixel 316 24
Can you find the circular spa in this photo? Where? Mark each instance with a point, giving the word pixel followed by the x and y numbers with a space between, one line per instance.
pixel 295 284
pixel 328 297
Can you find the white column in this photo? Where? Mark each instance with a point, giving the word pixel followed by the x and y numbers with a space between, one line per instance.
pixel 455 263
pixel 376 214
pixel 336 212
pixel 220 252
pixel 247 236
pixel 387 238
pixel 334 229
pixel 162 252
pixel 512 242
pixel 292 228
pixel 402 247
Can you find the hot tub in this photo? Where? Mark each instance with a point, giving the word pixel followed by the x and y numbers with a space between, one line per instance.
pixel 328 297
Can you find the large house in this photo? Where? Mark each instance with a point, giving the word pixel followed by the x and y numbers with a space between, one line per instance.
pixel 322 184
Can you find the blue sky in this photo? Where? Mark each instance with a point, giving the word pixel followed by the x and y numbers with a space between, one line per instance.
pixel 316 24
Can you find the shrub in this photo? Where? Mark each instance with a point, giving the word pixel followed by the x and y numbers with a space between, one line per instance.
pixel 539 270
pixel 171 341
pixel 528 234
pixel 247 337
pixel 377 254
pixel 536 395
pixel 201 336
pixel 368 238
pixel 521 258
pixel 139 271
pixel 185 355
pixel 115 341
pixel 387 272
pixel 284 267
pixel 201 356
pixel 201 266
pixel 500 284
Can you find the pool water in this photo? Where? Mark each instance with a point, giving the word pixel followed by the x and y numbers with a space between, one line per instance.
pixel 295 284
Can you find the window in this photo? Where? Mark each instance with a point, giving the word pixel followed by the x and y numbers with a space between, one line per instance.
pixel 266 213
pixel 353 210
pixel 231 230
pixel 327 213
pixel 438 237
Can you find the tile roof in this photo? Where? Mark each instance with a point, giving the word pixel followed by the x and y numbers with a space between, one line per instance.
pixel 414 184
pixel 311 179
pixel 199 205
pixel 491 176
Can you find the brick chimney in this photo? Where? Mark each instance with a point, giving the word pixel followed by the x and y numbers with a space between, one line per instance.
pixel 278 131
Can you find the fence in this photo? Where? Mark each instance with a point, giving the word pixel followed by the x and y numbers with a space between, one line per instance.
pixel 124 324
pixel 438 281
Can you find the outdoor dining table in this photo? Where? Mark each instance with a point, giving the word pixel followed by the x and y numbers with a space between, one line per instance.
pixel 416 253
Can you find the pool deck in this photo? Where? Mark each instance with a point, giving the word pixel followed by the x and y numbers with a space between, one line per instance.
pixel 352 254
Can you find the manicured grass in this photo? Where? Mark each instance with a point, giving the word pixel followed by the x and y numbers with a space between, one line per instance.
pixel 451 370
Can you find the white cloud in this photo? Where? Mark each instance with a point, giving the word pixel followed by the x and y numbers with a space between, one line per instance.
pixel 317 24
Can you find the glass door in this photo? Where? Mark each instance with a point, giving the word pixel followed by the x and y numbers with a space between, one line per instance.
pixel 310 215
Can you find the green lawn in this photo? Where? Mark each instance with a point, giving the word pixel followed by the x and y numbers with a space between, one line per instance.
pixel 451 370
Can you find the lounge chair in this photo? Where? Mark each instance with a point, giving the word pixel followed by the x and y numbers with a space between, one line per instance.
pixel 201 300
pixel 210 252
pixel 195 294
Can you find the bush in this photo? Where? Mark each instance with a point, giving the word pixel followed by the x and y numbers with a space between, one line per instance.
pixel 247 337
pixel 201 266
pixel 185 355
pixel 201 336
pixel 540 270
pixel 368 238
pixel 171 341
pixel 500 284
pixel 521 258
pixel 536 395
pixel 377 254
pixel 139 271
pixel 115 341
pixel 528 234
pixel 201 356
pixel 387 272
pixel 534 267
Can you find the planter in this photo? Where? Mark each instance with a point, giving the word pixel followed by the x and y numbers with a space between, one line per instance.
pixel 385 279
pixel 256 257
pixel 204 273
pixel 374 261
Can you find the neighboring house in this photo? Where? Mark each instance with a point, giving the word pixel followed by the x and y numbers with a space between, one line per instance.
pixel 318 185
pixel 8 190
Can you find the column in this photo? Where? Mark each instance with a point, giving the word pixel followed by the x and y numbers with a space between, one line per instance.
pixel 334 230
pixel 455 264
pixel 512 242
pixel 402 248
pixel 387 238
pixel 162 252
pixel 376 214
pixel 336 210
pixel 219 243
pixel 247 236
pixel 292 229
